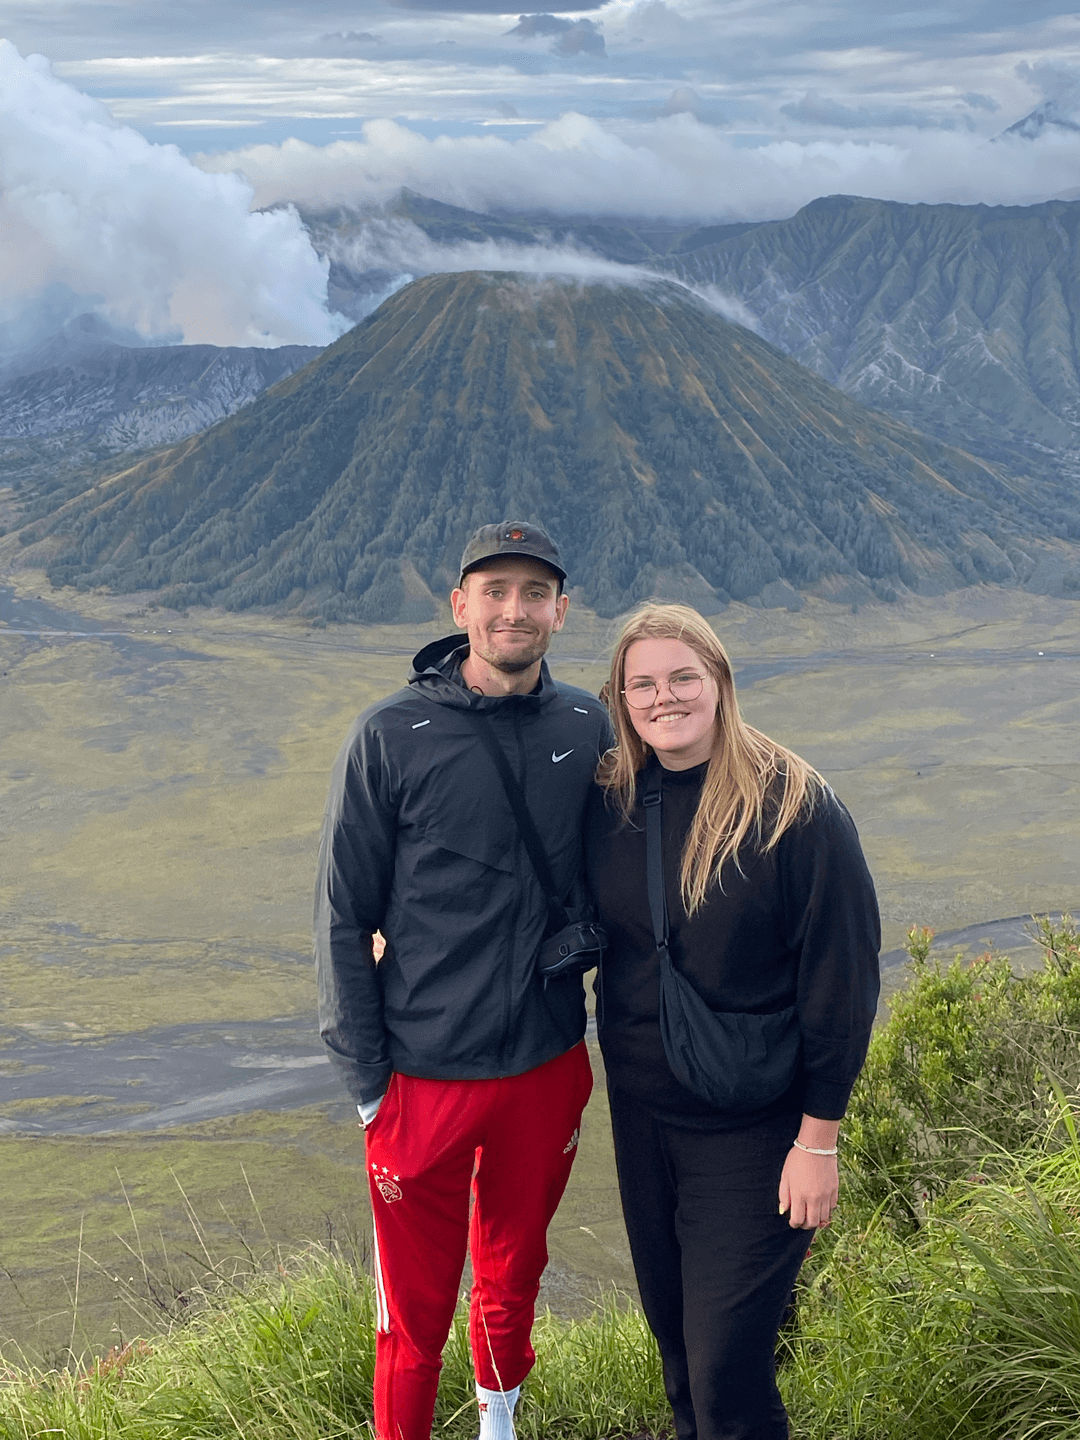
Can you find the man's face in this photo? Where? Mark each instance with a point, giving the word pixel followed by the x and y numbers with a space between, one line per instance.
pixel 509 608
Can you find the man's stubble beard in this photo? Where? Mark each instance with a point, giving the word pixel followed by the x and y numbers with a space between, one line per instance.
pixel 514 665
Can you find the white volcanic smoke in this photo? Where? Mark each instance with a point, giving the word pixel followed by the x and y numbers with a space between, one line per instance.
pixel 162 246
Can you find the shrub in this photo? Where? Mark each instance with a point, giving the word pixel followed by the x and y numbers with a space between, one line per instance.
pixel 965 1329
pixel 966 1068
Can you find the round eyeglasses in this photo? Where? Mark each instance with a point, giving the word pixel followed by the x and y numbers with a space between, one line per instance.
pixel 642 694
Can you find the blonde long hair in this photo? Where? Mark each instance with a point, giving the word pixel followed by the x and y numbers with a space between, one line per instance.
pixel 745 770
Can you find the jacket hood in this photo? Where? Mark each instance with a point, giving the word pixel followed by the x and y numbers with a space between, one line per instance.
pixel 436 672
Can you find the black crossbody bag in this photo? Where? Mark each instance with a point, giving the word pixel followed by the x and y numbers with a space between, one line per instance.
pixel 571 945
pixel 737 1060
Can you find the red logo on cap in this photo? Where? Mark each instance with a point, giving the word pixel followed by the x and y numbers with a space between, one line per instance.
pixel 516 535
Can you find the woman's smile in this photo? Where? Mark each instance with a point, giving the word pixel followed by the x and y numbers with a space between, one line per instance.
pixel 681 731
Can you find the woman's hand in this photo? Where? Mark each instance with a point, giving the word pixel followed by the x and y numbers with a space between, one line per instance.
pixel 809 1185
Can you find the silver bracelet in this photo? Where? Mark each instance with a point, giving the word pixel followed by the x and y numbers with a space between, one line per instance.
pixel 812 1150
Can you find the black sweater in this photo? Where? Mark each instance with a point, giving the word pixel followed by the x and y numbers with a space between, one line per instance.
pixel 798 926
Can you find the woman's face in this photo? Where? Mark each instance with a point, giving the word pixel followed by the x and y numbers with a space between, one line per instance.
pixel 678 723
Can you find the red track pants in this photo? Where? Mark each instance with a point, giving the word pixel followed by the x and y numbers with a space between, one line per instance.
pixel 514 1139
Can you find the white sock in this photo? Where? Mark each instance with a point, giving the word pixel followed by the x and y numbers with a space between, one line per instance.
pixel 497 1412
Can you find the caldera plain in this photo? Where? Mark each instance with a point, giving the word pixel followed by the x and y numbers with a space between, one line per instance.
pixel 162 778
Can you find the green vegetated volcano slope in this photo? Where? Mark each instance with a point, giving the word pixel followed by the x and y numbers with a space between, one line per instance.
pixel 669 451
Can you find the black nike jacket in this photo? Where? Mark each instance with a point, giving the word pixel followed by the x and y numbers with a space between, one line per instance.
pixel 420 843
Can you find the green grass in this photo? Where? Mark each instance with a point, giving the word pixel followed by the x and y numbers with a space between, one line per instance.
pixel 970 1330
pixel 103 986
pixel 91 1218
pixel 944 1303
pixel 289 1352
pixel 78 1210
pixel 46 1104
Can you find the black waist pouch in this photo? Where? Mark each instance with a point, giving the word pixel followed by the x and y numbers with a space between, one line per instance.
pixel 734 1059
pixel 577 947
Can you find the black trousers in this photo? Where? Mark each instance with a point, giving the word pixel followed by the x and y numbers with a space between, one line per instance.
pixel 715 1262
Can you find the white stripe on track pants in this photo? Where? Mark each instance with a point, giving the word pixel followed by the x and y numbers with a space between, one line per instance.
pixel 508 1142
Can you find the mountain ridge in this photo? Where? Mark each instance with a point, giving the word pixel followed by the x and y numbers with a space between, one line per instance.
pixel 103 397
pixel 962 320
pixel 667 448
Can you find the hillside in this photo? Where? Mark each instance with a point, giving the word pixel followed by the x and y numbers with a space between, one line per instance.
pixel 962 320
pixel 668 450
pixel 88 389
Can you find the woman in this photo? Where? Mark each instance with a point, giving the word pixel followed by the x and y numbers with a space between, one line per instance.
pixel 772 921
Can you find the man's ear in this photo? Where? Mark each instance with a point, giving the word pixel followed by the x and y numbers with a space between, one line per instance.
pixel 457 607
pixel 561 607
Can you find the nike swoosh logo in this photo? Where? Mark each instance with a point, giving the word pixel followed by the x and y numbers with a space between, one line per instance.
pixel 556 758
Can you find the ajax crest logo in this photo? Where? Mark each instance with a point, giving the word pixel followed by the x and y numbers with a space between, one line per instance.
pixel 386 1184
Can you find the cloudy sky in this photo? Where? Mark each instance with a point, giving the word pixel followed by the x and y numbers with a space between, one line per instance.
pixel 143 117
pixel 210 75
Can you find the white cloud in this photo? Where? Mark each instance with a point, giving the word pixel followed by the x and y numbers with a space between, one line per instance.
pixel 218 90
pixel 398 248
pixel 658 25
pixel 388 242
pixel 90 204
pixel 698 109
pixel 674 166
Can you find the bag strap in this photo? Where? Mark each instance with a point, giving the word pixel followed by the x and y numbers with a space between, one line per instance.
pixel 529 833
pixel 651 799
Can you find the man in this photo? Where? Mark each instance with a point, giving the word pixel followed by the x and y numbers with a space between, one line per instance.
pixel 468 1070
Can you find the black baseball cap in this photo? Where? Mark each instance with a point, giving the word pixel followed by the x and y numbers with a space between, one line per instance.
pixel 511 537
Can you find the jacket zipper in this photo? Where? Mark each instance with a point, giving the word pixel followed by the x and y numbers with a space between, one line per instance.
pixel 524 864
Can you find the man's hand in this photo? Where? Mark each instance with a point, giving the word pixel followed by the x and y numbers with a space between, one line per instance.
pixel 368 1109
pixel 809 1186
